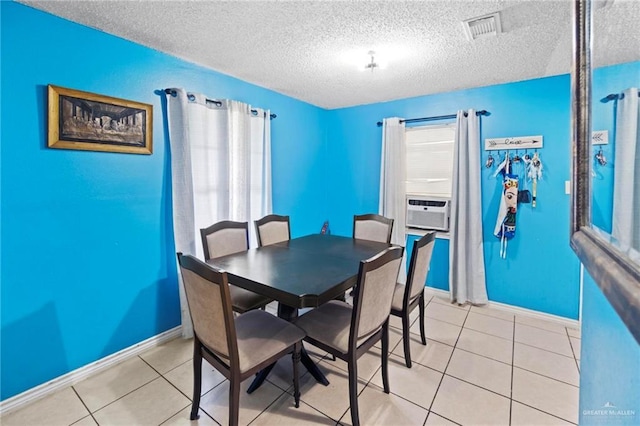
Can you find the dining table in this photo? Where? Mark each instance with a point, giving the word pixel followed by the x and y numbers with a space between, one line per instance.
pixel 299 273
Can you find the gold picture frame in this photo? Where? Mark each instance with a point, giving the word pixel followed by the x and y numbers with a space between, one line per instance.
pixel 92 122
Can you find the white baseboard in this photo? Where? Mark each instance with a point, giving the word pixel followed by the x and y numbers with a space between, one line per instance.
pixel 565 322
pixel 82 373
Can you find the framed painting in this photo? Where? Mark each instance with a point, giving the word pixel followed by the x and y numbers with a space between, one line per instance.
pixel 88 121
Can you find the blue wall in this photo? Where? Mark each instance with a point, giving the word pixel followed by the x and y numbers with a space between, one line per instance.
pixel 540 272
pixel 607 80
pixel 609 363
pixel 610 357
pixel 91 265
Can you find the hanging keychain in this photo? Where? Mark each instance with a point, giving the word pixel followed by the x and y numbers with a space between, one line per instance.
pixel 502 166
pixel 489 162
pixel 524 195
pixel 535 173
pixel 602 160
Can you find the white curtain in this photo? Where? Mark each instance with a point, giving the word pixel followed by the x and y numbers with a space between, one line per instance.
pixel 626 188
pixel 220 168
pixel 466 253
pixel 392 182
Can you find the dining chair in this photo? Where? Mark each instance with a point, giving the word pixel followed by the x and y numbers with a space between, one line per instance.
pixel 373 227
pixel 407 297
pixel 228 237
pixel 272 229
pixel 237 347
pixel 348 332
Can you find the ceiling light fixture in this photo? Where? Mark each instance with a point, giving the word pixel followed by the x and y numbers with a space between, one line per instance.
pixel 372 64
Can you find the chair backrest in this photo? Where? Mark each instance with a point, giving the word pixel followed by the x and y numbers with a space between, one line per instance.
pixel 374 292
pixel 223 238
pixel 419 265
pixel 372 227
pixel 209 301
pixel 272 229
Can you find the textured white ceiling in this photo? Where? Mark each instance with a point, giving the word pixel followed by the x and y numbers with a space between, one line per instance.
pixel 309 49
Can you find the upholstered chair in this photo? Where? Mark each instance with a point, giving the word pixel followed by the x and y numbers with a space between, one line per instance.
pixel 238 347
pixel 348 332
pixel 228 237
pixel 272 229
pixel 407 297
pixel 372 227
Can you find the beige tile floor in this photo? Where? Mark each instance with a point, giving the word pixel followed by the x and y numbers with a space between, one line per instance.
pixel 481 366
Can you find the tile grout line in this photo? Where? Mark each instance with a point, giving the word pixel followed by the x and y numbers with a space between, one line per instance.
pixel 490 316
pixel 162 375
pixel 535 372
pixel 543 329
pixel 484 314
pixel 270 404
pixel 376 371
pixel 573 350
pixel 485 333
pixel 403 398
pixel 85 406
pixel 347 373
pixel 545 412
pixel 128 393
pixel 177 412
pixel 547 377
pixel 182 393
pixel 448 362
pixel 175 387
pixel 440 415
pixel 546 350
pixel 484 356
pixel 542 375
pixel 284 392
pixel 169 381
pixel 369 381
pixel 477 386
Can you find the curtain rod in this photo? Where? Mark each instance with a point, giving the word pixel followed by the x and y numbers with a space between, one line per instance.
pixel 213 101
pixel 439 117
pixel 614 96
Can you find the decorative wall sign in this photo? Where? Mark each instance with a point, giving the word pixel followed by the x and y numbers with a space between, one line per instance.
pixel 600 137
pixel 87 121
pixel 516 142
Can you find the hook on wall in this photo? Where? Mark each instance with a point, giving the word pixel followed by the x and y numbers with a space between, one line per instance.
pixel 489 162
pixel 517 158
pixel 600 158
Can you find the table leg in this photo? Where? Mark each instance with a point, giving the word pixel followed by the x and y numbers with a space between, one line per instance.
pixel 288 313
pixel 312 367
pixel 260 377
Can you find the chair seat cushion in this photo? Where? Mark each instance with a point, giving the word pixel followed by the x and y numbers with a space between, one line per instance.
pixel 398 295
pixel 261 336
pixel 245 300
pixel 328 324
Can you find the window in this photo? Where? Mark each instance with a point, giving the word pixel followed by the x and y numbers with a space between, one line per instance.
pixel 429 151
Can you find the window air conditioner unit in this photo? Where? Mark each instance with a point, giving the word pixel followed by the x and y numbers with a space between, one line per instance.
pixel 427 212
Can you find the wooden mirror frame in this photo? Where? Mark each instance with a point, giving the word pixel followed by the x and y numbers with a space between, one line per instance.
pixel 617 276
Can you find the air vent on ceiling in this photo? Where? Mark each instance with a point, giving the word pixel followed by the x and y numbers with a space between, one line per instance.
pixel 483 26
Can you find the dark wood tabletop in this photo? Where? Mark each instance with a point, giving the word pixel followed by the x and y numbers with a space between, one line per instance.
pixel 299 273
pixel 302 272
